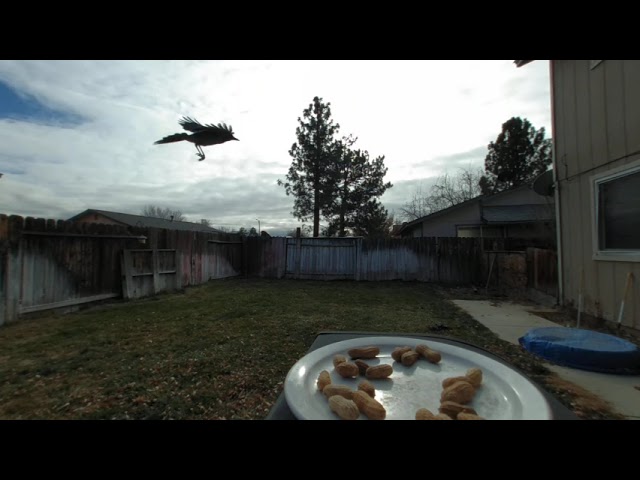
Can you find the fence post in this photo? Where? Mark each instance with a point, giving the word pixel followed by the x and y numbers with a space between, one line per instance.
pixel 298 253
pixel 437 250
pixel 283 248
pixel 155 261
pixel 176 258
pixel 13 272
pixel 536 251
pixel 4 233
pixel 358 253
pixel 244 257
pixel 127 270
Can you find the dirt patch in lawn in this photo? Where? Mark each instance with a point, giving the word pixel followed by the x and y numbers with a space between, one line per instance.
pixel 584 403
pixel 217 351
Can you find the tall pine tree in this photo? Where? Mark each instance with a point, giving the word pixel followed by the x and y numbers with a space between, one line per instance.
pixel 373 220
pixel 310 177
pixel 517 157
pixel 358 180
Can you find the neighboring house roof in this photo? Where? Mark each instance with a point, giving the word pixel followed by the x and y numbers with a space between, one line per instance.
pixel 147 222
pixel 438 213
pixel 520 63
pixel 517 213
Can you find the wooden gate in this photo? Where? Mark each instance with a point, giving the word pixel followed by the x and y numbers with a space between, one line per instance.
pixel 148 272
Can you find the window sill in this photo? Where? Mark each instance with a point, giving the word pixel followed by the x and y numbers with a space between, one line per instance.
pixel 614 256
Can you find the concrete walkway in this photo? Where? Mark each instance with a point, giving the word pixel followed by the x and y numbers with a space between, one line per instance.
pixel 510 321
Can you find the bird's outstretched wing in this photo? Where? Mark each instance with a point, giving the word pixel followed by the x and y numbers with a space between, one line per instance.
pixel 193 126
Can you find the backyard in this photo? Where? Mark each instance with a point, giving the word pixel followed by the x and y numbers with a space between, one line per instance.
pixel 220 350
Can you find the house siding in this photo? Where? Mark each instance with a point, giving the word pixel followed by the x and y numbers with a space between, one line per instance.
pixel 597 129
pixel 445 225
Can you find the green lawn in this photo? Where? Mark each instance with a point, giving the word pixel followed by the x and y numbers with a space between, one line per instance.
pixel 218 351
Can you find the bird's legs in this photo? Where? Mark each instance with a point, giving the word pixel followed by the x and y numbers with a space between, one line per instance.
pixel 200 153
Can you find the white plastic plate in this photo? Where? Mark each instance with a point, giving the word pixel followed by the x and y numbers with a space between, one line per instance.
pixel 504 395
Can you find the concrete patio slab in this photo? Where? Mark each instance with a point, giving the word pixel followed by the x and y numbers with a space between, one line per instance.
pixel 510 321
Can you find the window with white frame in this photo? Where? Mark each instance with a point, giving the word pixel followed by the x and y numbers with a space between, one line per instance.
pixel 617 212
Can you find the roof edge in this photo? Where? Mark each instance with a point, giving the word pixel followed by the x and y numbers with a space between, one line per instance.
pixel 439 212
pixel 108 214
pixel 522 63
pixel 479 198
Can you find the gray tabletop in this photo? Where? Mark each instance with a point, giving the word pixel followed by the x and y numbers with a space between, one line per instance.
pixel 281 411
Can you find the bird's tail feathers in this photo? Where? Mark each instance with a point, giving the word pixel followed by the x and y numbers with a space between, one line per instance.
pixel 176 137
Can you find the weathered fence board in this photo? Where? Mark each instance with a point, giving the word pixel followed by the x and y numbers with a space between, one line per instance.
pixel 224 259
pixel 149 272
pixel 52 265
pixel 264 257
pixel 48 264
pixel 329 258
pixel 446 260
pixel 68 303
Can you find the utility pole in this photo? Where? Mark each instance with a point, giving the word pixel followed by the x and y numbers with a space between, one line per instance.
pixel 259 231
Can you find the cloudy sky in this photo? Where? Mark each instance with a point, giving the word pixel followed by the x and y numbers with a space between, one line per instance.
pixel 79 134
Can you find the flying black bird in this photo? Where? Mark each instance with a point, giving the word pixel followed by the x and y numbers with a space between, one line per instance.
pixel 201 135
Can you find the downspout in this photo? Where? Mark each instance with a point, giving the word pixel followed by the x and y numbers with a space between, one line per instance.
pixel 556 183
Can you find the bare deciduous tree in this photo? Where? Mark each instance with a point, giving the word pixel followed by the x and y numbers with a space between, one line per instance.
pixel 448 190
pixel 166 213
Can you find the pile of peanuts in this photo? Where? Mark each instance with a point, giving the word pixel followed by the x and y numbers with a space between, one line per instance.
pixel 348 404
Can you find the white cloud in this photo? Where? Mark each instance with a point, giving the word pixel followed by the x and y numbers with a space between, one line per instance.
pixel 419 114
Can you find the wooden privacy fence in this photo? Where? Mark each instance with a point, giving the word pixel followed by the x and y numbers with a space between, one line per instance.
pixel 51 264
pixel 325 258
pixel 445 260
pixel 151 271
pixel 223 259
pixel 48 264
pixel 148 272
